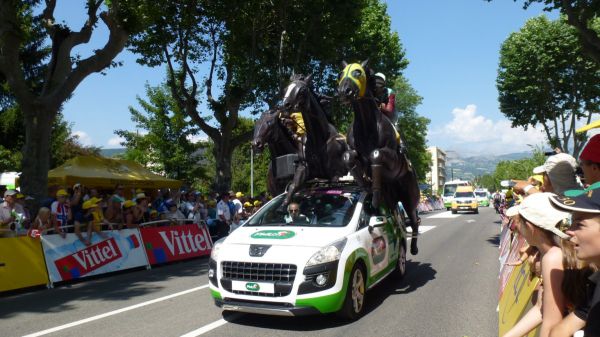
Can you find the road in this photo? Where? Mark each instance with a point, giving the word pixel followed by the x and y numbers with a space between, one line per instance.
pixel 449 290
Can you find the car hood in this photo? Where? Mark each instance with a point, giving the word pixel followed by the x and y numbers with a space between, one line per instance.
pixel 286 235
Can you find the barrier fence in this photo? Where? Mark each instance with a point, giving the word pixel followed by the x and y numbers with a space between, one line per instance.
pixel 27 261
pixel 517 284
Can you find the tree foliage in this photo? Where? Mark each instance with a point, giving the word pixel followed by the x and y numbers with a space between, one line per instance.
pixel 520 169
pixel 164 145
pixel 412 126
pixel 582 15
pixel 545 79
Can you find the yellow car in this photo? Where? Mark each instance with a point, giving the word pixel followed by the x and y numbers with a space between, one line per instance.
pixel 465 200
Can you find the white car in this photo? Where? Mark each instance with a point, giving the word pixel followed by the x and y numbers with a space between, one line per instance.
pixel 322 260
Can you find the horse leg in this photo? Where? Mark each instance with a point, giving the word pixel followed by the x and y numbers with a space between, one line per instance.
pixel 410 199
pixel 299 178
pixel 383 166
pixel 355 167
pixel 335 167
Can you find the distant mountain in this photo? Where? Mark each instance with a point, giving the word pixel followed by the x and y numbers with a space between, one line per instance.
pixel 458 167
pixel 109 153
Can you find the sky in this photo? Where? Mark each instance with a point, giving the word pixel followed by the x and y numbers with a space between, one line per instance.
pixel 453 50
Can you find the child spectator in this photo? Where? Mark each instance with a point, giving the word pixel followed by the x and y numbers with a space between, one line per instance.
pixel 42 222
pixel 129 219
pixel 536 220
pixel 61 213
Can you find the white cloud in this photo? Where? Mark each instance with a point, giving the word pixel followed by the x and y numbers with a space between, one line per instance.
pixel 83 138
pixel 472 133
pixel 115 141
pixel 197 138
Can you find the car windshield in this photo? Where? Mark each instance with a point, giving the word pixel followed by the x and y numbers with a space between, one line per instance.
pixel 312 207
pixel 481 194
pixel 449 190
pixel 463 195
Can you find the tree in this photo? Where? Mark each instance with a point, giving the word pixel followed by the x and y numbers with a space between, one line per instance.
pixel 582 15
pixel 165 145
pixel 63 72
pixel 412 126
pixel 519 169
pixel 544 78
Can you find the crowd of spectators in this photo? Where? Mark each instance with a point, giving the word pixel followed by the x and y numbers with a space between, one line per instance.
pixel 88 211
pixel 559 217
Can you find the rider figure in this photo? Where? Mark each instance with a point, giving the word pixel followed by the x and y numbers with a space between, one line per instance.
pixel 386 98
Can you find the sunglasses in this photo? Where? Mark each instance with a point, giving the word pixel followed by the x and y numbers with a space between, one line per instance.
pixel 294 210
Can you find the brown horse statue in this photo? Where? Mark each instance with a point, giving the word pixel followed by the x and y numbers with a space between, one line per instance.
pixel 375 158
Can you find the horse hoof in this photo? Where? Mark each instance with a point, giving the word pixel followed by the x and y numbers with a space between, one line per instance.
pixel 414 250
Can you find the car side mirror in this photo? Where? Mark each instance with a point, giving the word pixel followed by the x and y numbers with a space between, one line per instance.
pixel 376 221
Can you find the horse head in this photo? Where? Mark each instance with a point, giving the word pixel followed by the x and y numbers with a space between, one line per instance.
pixel 297 93
pixel 264 129
pixel 353 81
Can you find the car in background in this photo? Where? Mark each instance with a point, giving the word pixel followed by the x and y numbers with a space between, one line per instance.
pixel 449 190
pixel 483 197
pixel 465 200
pixel 323 260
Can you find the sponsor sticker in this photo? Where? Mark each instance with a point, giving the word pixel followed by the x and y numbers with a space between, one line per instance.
pixel 251 286
pixel 273 234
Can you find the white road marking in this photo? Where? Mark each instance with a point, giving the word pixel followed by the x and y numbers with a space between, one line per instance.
pixel 444 215
pixel 422 229
pixel 470 221
pixel 114 312
pixel 209 327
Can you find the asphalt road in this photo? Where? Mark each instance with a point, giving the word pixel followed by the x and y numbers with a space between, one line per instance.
pixel 449 290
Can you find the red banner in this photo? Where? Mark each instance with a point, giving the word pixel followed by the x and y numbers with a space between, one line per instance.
pixel 173 243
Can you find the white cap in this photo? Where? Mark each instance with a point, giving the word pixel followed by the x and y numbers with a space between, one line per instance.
pixel 380 75
pixel 538 210
pixel 560 168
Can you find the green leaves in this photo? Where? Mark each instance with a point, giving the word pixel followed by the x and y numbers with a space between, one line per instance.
pixel 545 79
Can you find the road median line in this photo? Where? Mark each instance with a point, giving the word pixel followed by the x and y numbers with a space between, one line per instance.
pixel 114 312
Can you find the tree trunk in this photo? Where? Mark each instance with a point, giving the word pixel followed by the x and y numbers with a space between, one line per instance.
pixel 36 153
pixel 223 152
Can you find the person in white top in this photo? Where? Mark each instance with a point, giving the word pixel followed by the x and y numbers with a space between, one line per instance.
pixel 223 216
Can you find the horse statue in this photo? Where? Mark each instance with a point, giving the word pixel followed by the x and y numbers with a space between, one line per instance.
pixel 270 131
pixel 324 146
pixel 375 158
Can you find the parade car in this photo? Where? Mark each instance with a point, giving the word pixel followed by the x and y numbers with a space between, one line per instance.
pixel 483 197
pixel 465 200
pixel 322 259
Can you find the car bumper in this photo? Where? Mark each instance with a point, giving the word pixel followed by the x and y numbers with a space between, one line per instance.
pixel 265 308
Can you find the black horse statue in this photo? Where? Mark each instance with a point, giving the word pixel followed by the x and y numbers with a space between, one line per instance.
pixel 324 146
pixel 375 158
pixel 270 131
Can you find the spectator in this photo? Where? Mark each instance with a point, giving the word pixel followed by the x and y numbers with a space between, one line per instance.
pixel 26 221
pixel 536 220
pixel 114 213
pixel 141 211
pixel 12 214
pixel 248 208
pixel 224 215
pixel 94 219
pixel 119 191
pixel 61 213
pixel 2 190
pixel 256 204
pixel 92 193
pixel 237 203
pixel 173 213
pixel 76 205
pixel 589 160
pixel 129 219
pixel 42 221
pixel 584 233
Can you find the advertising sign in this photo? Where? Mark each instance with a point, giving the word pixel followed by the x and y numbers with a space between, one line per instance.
pixel 505 270
pixel 21 263
pixel 69 258
pixel 516 298
pixel 173 243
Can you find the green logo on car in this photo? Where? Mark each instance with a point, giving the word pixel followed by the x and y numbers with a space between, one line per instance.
pixel 273 234
pixel 251 286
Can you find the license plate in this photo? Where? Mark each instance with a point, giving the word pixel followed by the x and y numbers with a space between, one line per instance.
pixel 256 287
pixel 464 207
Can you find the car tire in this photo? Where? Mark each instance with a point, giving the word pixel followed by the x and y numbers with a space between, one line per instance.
pixel 454 211
pixel 356 294
pixel 447 208
pixel 476 211
pixel 400 269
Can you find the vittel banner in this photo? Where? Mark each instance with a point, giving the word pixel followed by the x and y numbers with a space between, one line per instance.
pixel 172 243
pixel 70 258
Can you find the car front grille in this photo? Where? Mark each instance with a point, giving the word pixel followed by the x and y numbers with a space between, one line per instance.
pixel 252 271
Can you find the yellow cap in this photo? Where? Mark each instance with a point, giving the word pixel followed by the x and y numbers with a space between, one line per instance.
pixel 247 204
pixel 91 203
pixel 592 125
pixel 62 193
pixel 128 203
pixel 257 203
pixel 20 195
pixel 239 194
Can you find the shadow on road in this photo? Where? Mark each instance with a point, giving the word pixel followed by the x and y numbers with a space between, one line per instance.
pixel 494 240
pixel 418 274
pixel 110 287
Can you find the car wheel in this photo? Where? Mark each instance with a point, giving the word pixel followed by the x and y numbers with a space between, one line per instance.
pixel 400 269
pixel 477 211
pixel 447 208
pixel 354 303
pixel 454 211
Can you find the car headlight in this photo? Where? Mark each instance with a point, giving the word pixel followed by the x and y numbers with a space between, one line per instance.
pixel 214 254
pixel 329 253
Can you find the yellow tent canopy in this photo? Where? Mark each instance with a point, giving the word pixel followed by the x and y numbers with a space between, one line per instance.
pixel 107 173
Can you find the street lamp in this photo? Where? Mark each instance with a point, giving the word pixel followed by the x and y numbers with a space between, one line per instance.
pixel 251 172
